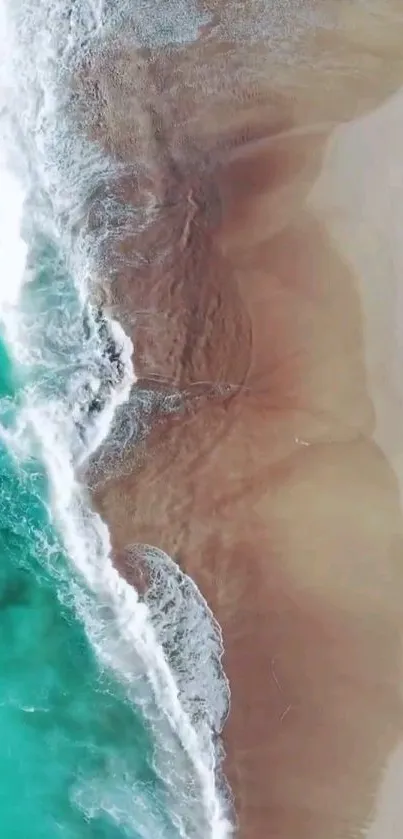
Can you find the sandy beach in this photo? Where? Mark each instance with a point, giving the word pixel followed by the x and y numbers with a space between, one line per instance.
pixel 262 279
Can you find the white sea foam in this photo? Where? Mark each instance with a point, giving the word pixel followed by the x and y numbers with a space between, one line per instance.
pixel 53 172
pixel 13 250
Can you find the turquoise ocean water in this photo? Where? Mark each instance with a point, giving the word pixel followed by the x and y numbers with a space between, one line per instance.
pixel 109 707
pixel 73 748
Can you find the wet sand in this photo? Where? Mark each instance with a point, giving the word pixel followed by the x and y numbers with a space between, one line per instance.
pixel 261 276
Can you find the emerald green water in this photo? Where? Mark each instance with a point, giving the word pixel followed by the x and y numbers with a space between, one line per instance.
pixel 110 707
pixel 67 733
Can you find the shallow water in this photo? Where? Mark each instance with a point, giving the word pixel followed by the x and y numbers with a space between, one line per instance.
pixel 97 740
pixel 68 737
pixel 75 753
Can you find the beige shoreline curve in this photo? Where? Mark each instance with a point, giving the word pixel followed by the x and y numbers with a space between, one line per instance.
pixel 388 817
pixel 270 259
pixel 360 195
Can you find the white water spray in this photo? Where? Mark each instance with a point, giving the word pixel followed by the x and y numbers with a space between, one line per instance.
pixel 117 623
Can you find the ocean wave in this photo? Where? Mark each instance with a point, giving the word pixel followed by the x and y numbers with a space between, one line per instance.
pixel 76 370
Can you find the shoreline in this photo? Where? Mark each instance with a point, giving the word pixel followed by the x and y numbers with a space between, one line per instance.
pixel 269 496
pixel 191 640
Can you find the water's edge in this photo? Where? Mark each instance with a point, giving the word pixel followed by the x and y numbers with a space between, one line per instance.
pixel 63 419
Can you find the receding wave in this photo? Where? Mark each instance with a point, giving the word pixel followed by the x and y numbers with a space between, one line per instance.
pixel 74 364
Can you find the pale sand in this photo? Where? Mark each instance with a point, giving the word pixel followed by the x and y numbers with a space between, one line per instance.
pixel 273 262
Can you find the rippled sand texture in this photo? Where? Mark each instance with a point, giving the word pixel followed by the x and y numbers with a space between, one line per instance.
pixel 264 172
